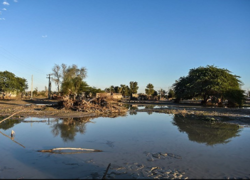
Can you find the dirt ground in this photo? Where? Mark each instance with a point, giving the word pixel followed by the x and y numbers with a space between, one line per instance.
pixel 39 108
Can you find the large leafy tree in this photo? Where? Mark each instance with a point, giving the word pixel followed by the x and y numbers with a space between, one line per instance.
pixel 72 79
pixel 150 89
pixel 209 81
pixel 10 82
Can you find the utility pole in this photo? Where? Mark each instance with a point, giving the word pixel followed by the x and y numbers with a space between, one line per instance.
pixel 31 93
pixel 49 89
pixel 160 93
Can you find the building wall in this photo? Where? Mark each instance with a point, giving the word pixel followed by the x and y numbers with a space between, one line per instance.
pixel 108 95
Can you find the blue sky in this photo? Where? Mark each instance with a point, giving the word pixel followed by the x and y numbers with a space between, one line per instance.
pixel 154 41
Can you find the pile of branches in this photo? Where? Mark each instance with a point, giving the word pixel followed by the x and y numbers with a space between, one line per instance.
pixel 96 105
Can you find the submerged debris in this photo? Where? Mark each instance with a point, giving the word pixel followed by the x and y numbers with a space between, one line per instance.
pixel 59 150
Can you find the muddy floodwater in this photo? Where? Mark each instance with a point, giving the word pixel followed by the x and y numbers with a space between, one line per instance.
pixel 137 145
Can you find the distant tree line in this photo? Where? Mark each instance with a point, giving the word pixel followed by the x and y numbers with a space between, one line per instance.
pixel 208 82
pixel 133 87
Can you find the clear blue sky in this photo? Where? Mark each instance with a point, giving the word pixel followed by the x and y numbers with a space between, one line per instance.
pixel 118 41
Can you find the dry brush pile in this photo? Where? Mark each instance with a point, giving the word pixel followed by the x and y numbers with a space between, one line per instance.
pixel 96 105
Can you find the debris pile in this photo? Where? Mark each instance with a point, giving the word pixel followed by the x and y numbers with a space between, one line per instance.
pixel 95 105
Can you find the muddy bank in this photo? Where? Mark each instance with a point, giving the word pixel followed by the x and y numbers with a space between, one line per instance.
pixel 230 115
pixel 48 108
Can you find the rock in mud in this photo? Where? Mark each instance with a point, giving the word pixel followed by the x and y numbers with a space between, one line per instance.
pixel 156 155
pixel 150 158
pixel 164 154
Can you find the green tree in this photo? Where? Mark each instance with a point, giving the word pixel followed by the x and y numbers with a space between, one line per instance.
pixel 133 87
pixel 117 89
pixel 155 94
pixel 73 79
pixel 93 91
pixel 150 89
pixel 10 82
pixel 235 97
pixel 209 81
pixel 171 93
pixel 35 92
pixel 125 90
pixel 111 89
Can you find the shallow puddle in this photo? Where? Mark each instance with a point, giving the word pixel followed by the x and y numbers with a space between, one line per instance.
pixel 137 146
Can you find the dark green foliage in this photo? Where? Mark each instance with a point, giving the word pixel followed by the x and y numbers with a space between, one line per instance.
pixel 155 93
pixel 93 91
pixel 111 89
pixel 150 89
pixel 171 93
pixel 207 82
pixel 125 90
pixel 133 87
pixel 117 89
pixel 235 97
pixel 35 92
pixel 8 124
pixel 10 82
pixel 73 79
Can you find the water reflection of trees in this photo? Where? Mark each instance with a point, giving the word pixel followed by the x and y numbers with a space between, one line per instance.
pixel 206 132
pixel 149 106
pixel 132 108
pixel 69 127
pixel 9 124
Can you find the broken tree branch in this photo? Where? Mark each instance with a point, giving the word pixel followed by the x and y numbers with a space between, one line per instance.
pixel 11 116
pixel 12 139
pixel 104 176
pixel 74 149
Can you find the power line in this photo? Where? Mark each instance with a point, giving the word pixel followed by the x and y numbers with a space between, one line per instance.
pixel 8 55
pixel 17 58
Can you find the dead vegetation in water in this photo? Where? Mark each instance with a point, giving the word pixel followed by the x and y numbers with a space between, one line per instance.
pixel 96 105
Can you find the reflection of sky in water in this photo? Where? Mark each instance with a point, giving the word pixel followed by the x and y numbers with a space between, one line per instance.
pixel 124 139
pixel 142 126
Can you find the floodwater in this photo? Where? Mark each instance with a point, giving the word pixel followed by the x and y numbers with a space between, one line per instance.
pixel 137 146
